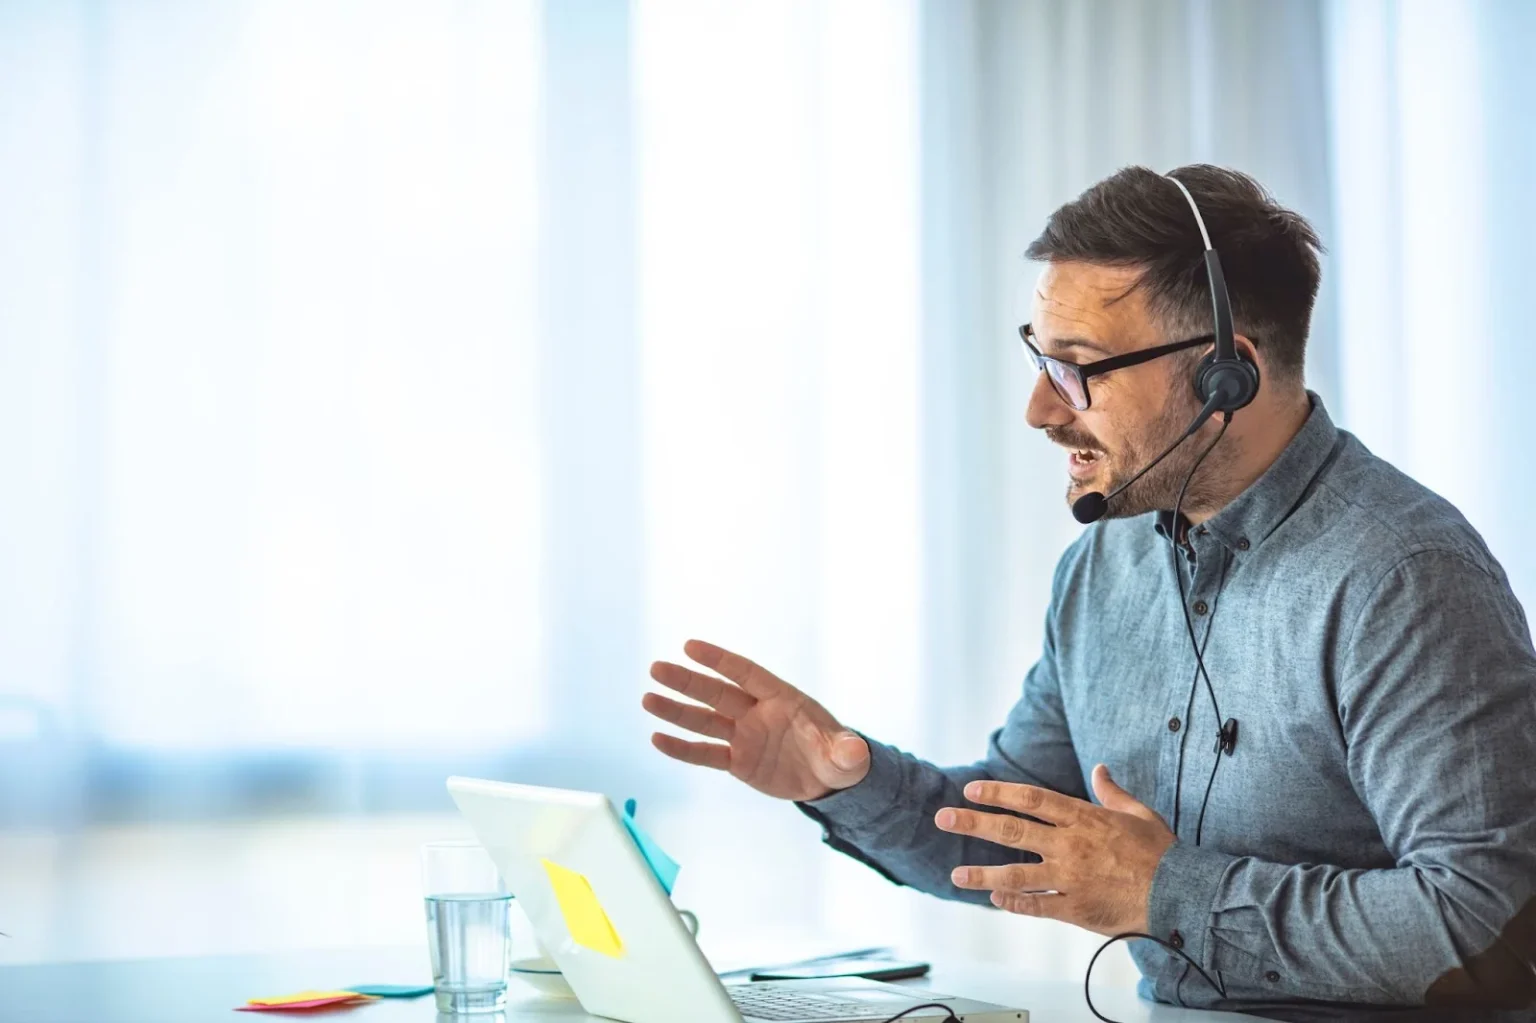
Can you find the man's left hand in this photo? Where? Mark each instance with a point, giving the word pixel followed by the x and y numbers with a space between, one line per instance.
pixel 1098 860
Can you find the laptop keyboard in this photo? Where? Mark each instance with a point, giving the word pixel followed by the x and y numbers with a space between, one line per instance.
pixel 757 1001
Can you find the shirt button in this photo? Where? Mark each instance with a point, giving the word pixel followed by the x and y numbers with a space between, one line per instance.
pixel 1201 531
pixel 1272 977
pixel 1176 939
pixel 1200 607
pixel 1173 724
pixel 1242 543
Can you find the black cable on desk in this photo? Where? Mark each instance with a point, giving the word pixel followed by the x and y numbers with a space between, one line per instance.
pixel 1087 997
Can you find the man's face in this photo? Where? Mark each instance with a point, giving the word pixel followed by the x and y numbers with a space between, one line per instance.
pixel 1135 412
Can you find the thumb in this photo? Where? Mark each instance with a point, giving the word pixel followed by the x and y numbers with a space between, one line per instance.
pixel 1112 797
pixel 849 756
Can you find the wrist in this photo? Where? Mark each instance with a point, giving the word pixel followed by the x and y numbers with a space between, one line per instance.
pixel 866 796
pixel 1183 894
pixel 845 780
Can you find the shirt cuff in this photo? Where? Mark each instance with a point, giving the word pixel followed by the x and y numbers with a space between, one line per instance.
pixel 1183 897
pixel 851 809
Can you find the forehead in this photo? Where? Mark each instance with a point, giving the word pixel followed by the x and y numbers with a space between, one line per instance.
pixel 1095 303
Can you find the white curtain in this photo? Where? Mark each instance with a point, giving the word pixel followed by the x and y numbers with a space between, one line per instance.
pixel 384 385
pixel 779 322
pixel 1434 152
pixel 266 302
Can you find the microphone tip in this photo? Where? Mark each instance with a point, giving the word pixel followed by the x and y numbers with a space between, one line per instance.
pixel 1090 507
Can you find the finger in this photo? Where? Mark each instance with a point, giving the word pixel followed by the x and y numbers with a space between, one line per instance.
pixel 844 759
pixel 1001 828
pixel 704 754
pixel 755 679
pixel 724 697
pixel 690 716
pixel 1048 906
pixel 1053 807
pixel 1112 797
pixel 849 752
pixel 1015 877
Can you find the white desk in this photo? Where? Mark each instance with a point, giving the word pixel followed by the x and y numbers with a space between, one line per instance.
pixel 196 990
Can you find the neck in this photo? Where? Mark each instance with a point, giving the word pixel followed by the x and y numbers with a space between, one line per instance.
pixel 1255 438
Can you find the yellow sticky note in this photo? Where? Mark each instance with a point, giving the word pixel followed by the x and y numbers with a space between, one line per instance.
pixel 584 916
pixel 309 999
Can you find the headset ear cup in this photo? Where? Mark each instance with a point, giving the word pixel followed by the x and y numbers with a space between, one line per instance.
pixel 1237 380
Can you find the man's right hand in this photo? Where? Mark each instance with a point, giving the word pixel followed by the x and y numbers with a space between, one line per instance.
pixel 772 736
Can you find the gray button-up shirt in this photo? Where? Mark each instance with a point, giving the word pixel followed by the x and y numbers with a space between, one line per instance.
pixel 1371 839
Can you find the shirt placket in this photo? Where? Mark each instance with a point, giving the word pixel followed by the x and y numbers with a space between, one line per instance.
pixel 1200 562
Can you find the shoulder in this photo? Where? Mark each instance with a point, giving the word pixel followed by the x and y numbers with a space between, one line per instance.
pixel 1386 558
pixel 1364 507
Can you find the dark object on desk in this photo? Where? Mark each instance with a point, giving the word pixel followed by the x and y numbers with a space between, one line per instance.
pixel 869 969
pixel 877 952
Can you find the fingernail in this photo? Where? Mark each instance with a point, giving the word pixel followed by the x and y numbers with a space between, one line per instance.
pixel 960 875
pixel 946 818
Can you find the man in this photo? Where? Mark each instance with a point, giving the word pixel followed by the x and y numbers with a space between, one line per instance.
pixel 1366 835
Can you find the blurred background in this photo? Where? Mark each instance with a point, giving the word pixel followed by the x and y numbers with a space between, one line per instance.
pixel 383 385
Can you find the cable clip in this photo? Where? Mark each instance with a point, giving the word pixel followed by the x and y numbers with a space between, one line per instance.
pixel 1226 739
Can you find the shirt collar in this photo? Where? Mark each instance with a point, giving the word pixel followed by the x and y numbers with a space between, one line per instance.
pixel 1255 513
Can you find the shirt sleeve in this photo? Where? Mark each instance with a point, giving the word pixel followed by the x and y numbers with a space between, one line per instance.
pixel 886 820
pixel 1437 702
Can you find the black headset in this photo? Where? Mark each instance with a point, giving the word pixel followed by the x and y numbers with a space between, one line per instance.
pixel 1225 377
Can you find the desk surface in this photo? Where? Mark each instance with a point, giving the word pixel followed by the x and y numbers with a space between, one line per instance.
pixel 199 989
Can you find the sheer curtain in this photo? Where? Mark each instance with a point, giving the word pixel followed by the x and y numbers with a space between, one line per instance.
pixel 267 310
pixel 1432 181
pixel 381 375
pixel 385 385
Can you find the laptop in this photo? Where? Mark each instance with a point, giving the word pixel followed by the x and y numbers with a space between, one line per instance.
pixel 635 960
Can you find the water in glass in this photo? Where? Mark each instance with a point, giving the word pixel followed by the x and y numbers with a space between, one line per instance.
pixel 471 947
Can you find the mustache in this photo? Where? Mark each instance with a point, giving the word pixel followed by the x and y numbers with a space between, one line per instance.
pixel 1070 438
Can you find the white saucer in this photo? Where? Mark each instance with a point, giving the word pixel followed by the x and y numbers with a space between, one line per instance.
pixel 541 973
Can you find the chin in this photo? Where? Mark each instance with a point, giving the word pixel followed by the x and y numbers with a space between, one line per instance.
pixel 1078 487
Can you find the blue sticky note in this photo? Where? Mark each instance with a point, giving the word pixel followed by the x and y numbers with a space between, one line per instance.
pixel 390 990
pixel 663 866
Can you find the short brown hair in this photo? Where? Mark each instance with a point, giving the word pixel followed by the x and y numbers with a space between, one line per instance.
pixel 1269 254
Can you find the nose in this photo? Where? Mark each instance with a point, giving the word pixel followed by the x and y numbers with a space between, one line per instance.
pixel 1045 406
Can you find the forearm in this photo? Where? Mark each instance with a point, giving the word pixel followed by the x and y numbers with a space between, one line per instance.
pixel 886 821
pixel 1409 935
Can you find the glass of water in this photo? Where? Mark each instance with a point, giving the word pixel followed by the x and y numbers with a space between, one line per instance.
pixel 467 926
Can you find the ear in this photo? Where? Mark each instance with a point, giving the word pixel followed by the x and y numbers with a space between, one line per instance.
pixel 1250 351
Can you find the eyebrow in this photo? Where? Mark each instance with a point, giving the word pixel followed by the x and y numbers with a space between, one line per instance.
pixel 1078 342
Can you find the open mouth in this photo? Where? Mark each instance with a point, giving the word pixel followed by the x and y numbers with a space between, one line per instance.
pixel 1082 462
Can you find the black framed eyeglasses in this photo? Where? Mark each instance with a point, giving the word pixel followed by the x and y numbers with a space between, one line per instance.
pixel 1070 379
